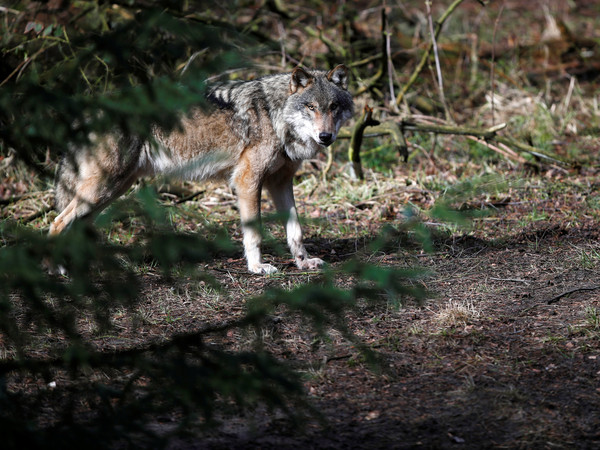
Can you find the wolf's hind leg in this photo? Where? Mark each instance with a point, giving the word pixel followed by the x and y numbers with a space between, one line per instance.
pixel 86 193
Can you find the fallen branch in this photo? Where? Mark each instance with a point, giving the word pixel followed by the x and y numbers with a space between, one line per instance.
pixel 397 128
pixel 583 288
pixel 376 128
pixel 490 133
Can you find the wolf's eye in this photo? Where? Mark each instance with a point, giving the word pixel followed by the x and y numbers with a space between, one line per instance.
pixel 334 106
pixel 310 106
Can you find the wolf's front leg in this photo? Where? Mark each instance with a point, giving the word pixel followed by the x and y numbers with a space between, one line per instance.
pixel 248 192
pixel 280 187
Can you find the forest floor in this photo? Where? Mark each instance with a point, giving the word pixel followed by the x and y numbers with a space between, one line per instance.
pixel 504 352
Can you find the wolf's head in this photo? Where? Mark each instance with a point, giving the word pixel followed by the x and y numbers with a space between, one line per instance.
pixel 319 103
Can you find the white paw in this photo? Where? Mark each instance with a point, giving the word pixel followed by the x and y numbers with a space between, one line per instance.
pixel 262 268
pixel 53 269
pixel 61 270
pixel 309 263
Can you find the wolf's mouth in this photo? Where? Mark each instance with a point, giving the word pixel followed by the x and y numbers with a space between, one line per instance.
pixel 324 144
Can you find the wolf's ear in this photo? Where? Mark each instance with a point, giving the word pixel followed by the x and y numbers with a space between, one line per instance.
pixel 300 79
pixel 339 76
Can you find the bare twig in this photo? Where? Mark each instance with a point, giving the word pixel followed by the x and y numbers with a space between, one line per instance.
pixel 4 9
pixel 437 60
pixel 425 56
pixel 328 164
pixel 364 61
pixel 37 214
pixel 504 150
pixel 367 84
pixel 388 52
pixel 190 197
pixel 567 101
pixel 23 64
pixel 10 200
pixel 493 63
pixel 333 47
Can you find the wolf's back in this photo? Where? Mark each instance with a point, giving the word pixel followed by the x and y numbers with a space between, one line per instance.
pixel 270 90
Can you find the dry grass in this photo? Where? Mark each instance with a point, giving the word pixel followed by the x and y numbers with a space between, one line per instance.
pixel 457 313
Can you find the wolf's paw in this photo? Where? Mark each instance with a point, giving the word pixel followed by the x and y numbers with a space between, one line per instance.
pixel 262 268
pixel 54 269
pixel 309 263
pixel 59 270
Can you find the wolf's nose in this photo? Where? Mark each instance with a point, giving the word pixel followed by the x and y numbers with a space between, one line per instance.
pixel 325 138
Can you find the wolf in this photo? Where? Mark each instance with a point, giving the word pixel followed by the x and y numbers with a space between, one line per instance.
pixel 255 135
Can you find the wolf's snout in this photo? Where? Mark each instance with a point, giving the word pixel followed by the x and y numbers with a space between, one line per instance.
pixel 325 138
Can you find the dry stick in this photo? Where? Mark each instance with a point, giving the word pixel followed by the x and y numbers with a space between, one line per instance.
pixel 365 61
pixel 37 214
pixel 387 50
pixel 375 78
pixel 537 154
pixel 4 9
pixel 584 288
pixel 492 71
pixel 328 164
pixel 425 56
pixel 490 134
pixel 437 62
pixel 567 101
pixel 356 136
pixel 506 151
